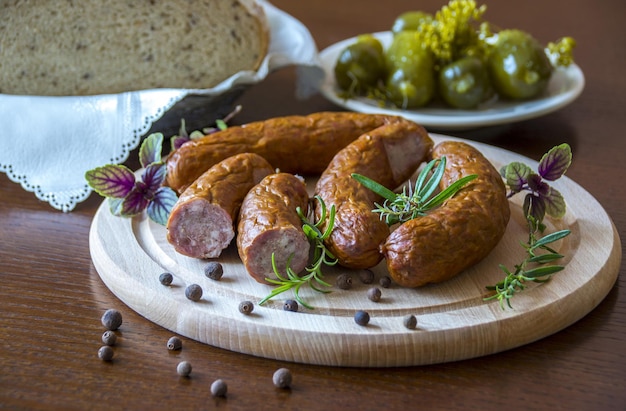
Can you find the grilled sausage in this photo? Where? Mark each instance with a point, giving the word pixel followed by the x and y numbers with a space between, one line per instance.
pixel 389 155
pixel 269 223
pixel 458 234
pixel 201 223
pixel 295 144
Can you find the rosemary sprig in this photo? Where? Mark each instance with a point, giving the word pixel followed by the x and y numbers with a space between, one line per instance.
pixel 321 256
pixel 415 201
pixel 514 282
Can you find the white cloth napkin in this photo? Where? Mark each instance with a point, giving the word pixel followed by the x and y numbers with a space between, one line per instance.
pixel 48 143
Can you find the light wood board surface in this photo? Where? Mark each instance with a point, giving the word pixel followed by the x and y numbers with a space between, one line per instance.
pixel 454 322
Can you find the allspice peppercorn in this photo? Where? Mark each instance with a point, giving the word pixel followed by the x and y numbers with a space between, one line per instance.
pixel 282 378
pixel 246 307
pixel 112 319
pixel 109 338
pixel 410 321
pixel 344 281
pixel 183 368
pixel 385 282
pixel 193 292
pixel 374 294
pixel 219 388
pixel 362 317
pixel 105 353
pixel 366 276
pixel 290 305
pixel 166 278
pixel 174 344
pixel 214 270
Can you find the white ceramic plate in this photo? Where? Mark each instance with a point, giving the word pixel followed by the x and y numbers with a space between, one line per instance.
pixel 565 86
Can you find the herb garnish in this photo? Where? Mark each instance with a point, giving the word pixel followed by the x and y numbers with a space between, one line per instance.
pixel 126 195
pixel 416 201
pixel 321 256
pixel 541 199
pixel 183 136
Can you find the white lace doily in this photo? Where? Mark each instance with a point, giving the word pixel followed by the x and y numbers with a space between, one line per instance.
pixel 48 143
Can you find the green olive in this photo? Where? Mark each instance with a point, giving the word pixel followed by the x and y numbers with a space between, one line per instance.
pixel 372 41
pixel 411 79
pixel 359 66
pixel 410 20
pixel 465 83
pixel 518 65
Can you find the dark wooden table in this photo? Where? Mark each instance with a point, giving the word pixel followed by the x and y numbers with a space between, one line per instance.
pixel 51 297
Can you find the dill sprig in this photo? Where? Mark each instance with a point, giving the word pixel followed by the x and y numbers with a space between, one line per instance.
pixel 321 256
pixel 414 201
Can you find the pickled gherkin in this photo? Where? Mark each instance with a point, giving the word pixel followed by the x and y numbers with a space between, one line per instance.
pixel 452 57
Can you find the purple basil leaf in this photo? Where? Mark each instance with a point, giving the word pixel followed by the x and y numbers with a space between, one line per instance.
pixel 135 202
pixel 161 205
pixel 150 151
pixel 516 175
pixel 555 162
pixel 537 185
pixel 154 176
pixel 554 203
pixel 535 207
pixel 177 142
pixel 112 180
pixel 115 205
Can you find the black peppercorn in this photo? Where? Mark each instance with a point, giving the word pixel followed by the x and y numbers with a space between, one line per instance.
pixel 109 338
pixel 282 378
pixel 344 281
pixel 183 368
pixel 219 388
pixel 366 276
pixel 193 292
pixel 290 305
pixel 385 282
pixel 112 319
pixel 174 343
pixel 214 270
pixel 166 278
pixel 105 353
pixel 246 307
pixel 374 294
pixel 361 317
pixel 410 321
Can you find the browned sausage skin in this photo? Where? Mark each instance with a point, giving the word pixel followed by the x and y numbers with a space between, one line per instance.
pixel 389 155
pixel 201 223
pixel 294 144
pixel 269 223
pixel 457 235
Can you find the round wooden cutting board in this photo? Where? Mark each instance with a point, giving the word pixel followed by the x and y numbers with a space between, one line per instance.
pixel 454 321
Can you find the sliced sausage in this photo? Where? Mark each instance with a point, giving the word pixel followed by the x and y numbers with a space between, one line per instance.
pixel 389 155
pixel 295 144
pixel 269 223
pixel 458 234
pixel 201 223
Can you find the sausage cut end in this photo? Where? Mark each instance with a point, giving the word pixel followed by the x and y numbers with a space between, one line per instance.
pixel 200 229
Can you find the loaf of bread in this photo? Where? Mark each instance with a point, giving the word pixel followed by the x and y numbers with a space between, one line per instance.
pixel 87 47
